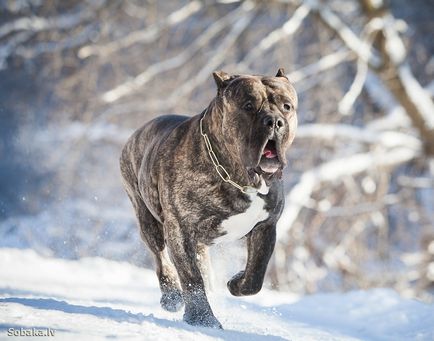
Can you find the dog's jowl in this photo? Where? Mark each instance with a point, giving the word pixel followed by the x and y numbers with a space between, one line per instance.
pixel 214 177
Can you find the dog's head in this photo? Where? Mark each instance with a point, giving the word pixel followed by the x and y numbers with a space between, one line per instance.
pixel 258 115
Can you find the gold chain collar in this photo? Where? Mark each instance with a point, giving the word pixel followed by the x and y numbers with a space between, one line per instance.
pixel 221 171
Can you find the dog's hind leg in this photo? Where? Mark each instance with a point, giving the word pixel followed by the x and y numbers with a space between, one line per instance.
pixel 171 298
pixel 204 262
pixel 183 252
pixel 151 232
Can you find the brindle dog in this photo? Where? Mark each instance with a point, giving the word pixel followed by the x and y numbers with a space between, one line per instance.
pixel 195 181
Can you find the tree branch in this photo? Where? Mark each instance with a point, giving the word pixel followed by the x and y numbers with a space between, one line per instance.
pixel 10 46
pixel 288 29
pixel 217 58
pixel 392 67
pixel 185 56
pixel 301 193
pixel 331 132
pixel 37 24
pixel 359 47
pixel 147 35
pixel 323 64
pixel 53 46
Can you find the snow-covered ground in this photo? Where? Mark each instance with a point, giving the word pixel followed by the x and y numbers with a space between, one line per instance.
pixel 94 298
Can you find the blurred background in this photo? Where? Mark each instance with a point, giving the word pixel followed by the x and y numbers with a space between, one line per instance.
pixel 78 77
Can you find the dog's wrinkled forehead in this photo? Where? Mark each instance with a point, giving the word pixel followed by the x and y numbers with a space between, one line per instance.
pixel 244 88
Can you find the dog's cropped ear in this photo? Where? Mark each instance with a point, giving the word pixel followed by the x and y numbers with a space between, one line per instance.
pixel 281 73
pixel 221 79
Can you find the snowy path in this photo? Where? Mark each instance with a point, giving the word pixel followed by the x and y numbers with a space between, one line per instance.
pixel 98 299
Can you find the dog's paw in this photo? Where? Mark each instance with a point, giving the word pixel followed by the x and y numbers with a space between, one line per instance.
pixel 172 301
pixel 202 319
pixel 238 286
pixel 234 284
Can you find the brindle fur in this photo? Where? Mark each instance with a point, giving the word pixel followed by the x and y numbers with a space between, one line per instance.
pixel 180 201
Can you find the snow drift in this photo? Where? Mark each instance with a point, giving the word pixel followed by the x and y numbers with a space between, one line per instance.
pixel 98 299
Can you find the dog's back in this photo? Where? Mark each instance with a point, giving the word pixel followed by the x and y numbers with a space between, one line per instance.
pixel 145 141
pixel 141 150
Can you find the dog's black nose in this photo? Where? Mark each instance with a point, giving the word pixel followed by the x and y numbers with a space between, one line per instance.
pixel 273 122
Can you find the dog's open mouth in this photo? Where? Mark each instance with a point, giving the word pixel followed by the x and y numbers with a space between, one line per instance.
pixel 270 150
pixel 269 162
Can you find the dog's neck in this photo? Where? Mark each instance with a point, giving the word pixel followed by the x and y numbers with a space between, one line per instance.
pixel 230 158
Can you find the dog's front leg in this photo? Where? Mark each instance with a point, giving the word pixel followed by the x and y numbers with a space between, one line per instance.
pixel 183 251
pixel 260 246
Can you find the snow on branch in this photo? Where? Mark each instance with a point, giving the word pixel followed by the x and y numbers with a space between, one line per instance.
pixel 37 24
pixel 147 35
pixel 392 66
pixel 331 132
pixel 327 62
pixel 288 29
pixel 217 58
pixel 346 103
pixel 300 195
pixel 418 95
pixel 430 88
pixel 368 35
pixel 185 56
pixel 69 42
pixel 354 43
pixel 396 72
pixel 394 150
pixel 9 47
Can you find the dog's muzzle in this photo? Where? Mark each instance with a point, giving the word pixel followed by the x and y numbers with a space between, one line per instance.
pixel 273 122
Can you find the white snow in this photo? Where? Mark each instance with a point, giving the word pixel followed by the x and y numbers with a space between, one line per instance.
pixel 94 298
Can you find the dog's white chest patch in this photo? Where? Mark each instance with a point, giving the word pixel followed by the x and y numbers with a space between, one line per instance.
pixel 238 225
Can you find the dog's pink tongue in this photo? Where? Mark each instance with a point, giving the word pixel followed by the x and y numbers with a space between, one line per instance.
pixel 269 154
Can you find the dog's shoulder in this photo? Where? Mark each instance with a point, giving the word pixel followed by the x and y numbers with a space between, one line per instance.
pixel 147 138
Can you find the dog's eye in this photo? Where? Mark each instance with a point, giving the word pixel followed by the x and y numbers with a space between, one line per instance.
pixel 287 107
pixel 248 106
